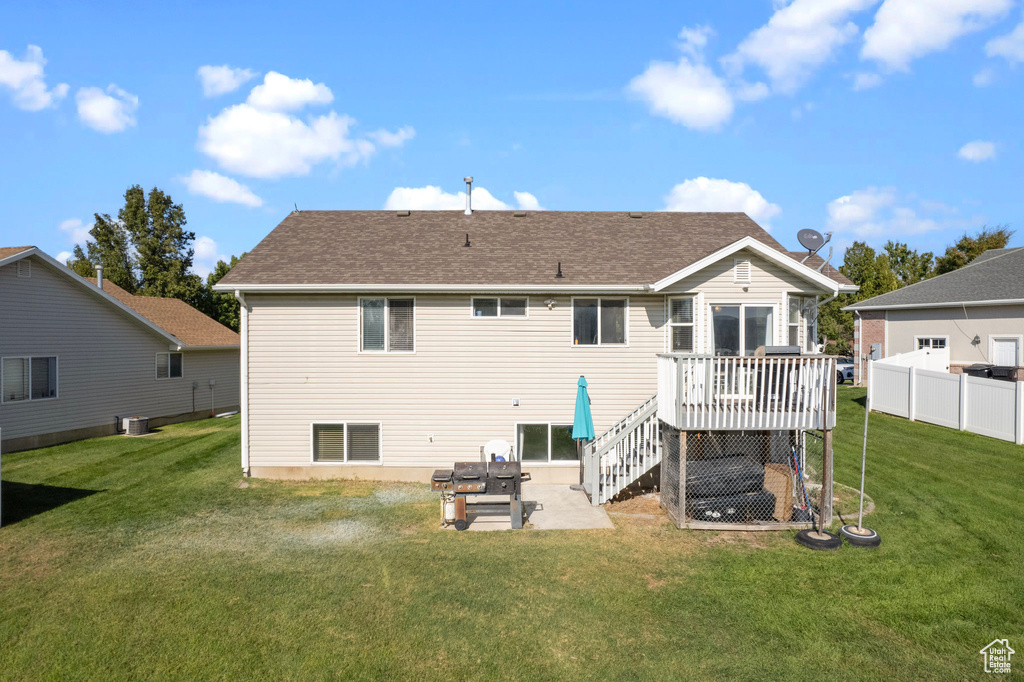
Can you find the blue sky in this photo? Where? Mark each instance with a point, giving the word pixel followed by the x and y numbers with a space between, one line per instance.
pixel 872 119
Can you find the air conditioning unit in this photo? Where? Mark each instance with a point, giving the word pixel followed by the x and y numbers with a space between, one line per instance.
pixel 136 426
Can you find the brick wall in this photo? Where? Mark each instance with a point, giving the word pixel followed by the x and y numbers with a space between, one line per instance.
pixel 868 328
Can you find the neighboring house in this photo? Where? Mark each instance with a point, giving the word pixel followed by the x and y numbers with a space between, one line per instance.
pixel 976 313
pixel 75 356
pixel 384 344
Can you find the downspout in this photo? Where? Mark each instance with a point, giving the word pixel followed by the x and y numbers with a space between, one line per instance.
pixel 244 327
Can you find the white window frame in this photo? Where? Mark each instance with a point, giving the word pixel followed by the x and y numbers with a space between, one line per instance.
pixel 362 462
pixel 694 299
pixel 992 338
pixel 387 326
pixel 600 343
pixel 736 270
pixel 807 334
pixel 920 337
pixel 156 365
pixel 29 399
pixel 472 308
pixel 752 304
pixel 518 456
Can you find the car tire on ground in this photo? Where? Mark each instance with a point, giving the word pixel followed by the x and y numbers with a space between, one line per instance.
pixel 867 539
pixel 840 379
pixel 819 540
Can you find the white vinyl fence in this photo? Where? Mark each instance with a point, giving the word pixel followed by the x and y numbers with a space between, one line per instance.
pixel 989 407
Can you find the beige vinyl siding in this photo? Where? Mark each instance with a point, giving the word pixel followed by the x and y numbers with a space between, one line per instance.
pixel 768 284
pixel 958 325
pixel 459 384
pixel 107 360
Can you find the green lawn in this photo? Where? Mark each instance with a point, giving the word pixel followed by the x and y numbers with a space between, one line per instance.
pixel 158 566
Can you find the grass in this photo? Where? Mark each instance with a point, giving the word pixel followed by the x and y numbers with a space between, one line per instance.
pixel 141 558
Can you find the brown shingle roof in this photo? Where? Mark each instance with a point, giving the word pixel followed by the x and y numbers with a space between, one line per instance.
pixel 176 317
pixel 427 247
pixel 6 251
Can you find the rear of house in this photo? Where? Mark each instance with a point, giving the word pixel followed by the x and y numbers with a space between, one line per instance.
pixel 74 357
pixel 387 344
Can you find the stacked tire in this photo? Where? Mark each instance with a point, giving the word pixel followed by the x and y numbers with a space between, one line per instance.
pixel 728 490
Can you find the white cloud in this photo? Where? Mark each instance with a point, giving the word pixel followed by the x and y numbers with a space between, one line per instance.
pixel 64 256
pixel 108 112
pixel 875 212
pixel 26 81
pixel 527 201
pixel 220 80
pixel 205 248
pixel 77 231
pixel 798 38
pixel 1010 47
pixel 220 188
pixel 977 151
pixel 907 29
pixel 750 92
pixel 712 194
pixel 433 198
pixel 259 139
pixel 385 138
pixel 206 256
pixel 281 93
pixel 984 78
pixel 687 92
pixel 866 81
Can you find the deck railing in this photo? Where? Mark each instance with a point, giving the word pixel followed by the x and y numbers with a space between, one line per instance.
pixel 623 453
pixel 698 392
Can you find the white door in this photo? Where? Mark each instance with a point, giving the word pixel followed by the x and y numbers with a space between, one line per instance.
pixel 1004 352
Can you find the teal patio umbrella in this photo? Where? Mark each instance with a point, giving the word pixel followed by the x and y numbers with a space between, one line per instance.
pixel 583 422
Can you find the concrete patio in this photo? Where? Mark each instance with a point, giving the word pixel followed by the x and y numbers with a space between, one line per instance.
pixel 549 507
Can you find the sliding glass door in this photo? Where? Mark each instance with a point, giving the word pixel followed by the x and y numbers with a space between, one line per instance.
pixel 741 329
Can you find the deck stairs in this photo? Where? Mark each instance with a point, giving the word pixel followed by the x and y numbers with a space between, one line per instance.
pixel 623 453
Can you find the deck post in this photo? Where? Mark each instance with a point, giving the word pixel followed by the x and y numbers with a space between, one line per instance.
pixel 826 480
pixel 594 473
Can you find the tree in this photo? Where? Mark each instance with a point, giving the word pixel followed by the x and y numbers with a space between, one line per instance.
pixel 908 265
pixel 109 247
pixel 224 307
pixel 869 270
pixel 163 247
pixel 967 248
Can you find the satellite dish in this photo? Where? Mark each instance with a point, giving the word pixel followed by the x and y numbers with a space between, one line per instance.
pixel 810 240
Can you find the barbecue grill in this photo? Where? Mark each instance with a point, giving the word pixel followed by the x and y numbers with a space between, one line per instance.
pixel 482 478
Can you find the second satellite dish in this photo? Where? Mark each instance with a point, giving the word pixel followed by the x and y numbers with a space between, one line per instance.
pixel 810 240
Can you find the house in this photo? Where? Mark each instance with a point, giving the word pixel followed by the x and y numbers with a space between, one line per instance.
pixel 386 344
pixel 976 313
pixel 76 355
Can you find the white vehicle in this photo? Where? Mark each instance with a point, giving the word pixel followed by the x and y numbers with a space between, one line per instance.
pixel 844 370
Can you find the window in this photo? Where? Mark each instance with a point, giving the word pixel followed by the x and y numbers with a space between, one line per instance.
pixel 545 443
pixel 387 324
pixel 499 307
pixel 598 321
pixel 680 324
pixel 801 311
pixel 741 271
pixel 931 342
pixel 168 366
pixel 344 442
pixel 28 379
pixel 741 329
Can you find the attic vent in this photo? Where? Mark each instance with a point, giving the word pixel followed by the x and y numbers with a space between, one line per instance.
pixel 403 214
pixel 24 268
pixel 634 214
pixel 741 271
pixel 519 214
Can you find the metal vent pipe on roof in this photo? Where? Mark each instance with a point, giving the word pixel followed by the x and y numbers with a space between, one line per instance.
pixel 469 194
pixel 99 276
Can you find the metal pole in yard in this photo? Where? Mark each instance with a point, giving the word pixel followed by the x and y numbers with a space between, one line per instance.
pixel 864 459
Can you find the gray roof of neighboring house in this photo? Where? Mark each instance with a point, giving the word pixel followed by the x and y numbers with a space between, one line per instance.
pixel 507 248
pixel 996 275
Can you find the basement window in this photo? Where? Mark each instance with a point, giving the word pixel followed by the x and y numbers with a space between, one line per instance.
pixel 545 442
pixel 342 442
pixel 29 378
pixel 168 366
pixel 387 325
